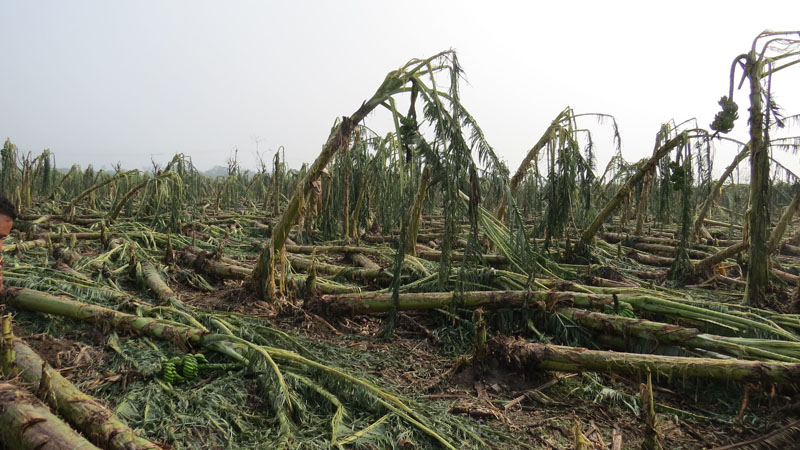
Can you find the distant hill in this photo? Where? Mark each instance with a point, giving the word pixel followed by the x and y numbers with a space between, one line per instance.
pixel 216 171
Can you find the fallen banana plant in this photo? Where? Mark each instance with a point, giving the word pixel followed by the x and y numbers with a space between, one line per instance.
pixel 372 303
pixel 524 356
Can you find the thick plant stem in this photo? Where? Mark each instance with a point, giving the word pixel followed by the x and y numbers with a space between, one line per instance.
pixel 204 264
pixel 652 440
pixel 36 301
pixel 416 212
pixel 668 334
pixel 25 246
pixel 373 303
pixel 7 354
pixel 276 185
pixel 27 424
pixel 529 356
pixel 758 209
pixel 716 190
pixel 153 280
pixel 363 261
pixel 82 411
pixel 588 235
pixel 795 239
pixel 641 206
pixel 350 273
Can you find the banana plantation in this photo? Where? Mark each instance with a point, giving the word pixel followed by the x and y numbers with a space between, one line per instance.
pixel 408 289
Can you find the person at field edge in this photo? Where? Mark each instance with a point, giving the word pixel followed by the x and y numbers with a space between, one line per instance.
pixel 8 214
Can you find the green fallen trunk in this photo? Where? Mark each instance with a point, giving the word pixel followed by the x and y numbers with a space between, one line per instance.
pixel 708 263
pixel 677 335
pixel 652 260
pixel 363 261
pixel 204 264
pixel 436 255
pixel 373 303
pixel 717 223
pixel 152 278
pixel 226 271
pixel 25 246
pixel 349 273
pixel 415 215
pixel 27 424
pixel 319 249
pixel 82 411
pixel 664 250
pixel 85 236
pixel 31 300
pixel 430 255
pixel 527 356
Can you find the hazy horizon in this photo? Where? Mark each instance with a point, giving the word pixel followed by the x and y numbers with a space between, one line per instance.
pixel 104 83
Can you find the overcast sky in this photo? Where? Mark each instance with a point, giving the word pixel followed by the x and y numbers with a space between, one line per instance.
pixel 103 82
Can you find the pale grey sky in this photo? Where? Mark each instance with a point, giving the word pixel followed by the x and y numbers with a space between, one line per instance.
pixel 103 82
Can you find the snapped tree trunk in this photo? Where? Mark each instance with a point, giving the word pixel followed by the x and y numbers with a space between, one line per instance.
pixel 374 302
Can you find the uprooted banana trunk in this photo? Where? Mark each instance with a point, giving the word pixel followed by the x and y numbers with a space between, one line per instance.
pixel 525 356
pixel 27 424
pixel 84 412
